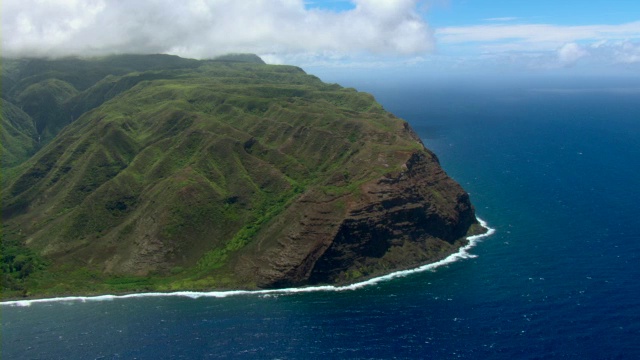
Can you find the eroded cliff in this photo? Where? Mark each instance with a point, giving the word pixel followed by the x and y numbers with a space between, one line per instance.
pixel 401 220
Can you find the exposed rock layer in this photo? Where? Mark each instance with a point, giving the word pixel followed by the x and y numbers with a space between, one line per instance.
pixel 399 221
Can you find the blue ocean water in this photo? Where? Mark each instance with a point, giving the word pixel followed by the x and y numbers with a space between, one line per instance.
pixel 553 167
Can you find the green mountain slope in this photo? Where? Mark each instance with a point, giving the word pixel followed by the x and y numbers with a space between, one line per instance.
pixel 18 135
pixel 225 174
pixel 43 87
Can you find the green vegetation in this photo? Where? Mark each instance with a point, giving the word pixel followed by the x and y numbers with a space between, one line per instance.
pixel 18 135
pixel 216 258
pixel 18 263
pixel 131 173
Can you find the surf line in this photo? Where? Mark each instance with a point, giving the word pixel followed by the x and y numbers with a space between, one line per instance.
pixel 461 254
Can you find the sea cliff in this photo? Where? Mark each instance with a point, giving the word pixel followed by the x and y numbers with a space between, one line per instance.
pixel 160 173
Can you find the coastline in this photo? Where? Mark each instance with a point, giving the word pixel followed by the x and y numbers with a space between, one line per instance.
pixel 458 255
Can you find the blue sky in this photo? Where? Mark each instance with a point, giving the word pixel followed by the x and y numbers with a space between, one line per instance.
pixel 543 36
pixel 595 37
pixel 440 13
pixel 558 12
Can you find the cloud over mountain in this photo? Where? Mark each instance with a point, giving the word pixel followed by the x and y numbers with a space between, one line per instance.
pixel 205 28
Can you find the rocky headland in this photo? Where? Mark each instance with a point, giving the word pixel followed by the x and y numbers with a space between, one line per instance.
pixel 138 173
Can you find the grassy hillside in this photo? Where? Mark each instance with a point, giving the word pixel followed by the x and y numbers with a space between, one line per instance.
pixel 18 135
pixel 164 176
pixel 45 89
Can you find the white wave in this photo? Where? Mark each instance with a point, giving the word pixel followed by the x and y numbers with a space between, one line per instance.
pixel 461 254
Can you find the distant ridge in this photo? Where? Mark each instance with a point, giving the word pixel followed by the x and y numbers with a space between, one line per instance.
pixel 250 58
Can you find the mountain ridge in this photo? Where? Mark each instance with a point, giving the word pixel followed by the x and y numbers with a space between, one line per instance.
pixel 225 174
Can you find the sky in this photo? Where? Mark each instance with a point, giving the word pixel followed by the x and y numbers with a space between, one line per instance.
pixel 597 37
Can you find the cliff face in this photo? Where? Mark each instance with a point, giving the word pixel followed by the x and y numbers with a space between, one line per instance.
pixel 183 174
pixel 401 220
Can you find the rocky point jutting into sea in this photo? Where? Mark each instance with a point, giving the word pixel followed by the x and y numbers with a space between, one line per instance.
pixel 152 172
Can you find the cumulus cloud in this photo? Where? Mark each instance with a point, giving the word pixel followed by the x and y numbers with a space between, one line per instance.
pixel 628 52
pixel 570 53
pixel 206 28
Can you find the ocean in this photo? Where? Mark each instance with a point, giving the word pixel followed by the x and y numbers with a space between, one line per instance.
pixel 553 166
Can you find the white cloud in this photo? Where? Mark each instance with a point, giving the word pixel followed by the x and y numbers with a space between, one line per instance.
pixel 502 19
pixel 536 33
pixel 545 46
pixel 570 53
pixel 628 53
pixel 205 28
pixel 619 52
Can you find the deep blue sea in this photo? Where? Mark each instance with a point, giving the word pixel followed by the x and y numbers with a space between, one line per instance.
pixel 553 166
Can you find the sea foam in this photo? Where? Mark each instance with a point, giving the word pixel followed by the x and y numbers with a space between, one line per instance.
pixel 461 254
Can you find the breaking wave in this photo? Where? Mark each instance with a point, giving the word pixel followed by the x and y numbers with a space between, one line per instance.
pixel 462 253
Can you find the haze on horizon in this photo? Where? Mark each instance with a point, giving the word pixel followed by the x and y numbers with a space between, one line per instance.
pixel 340 36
